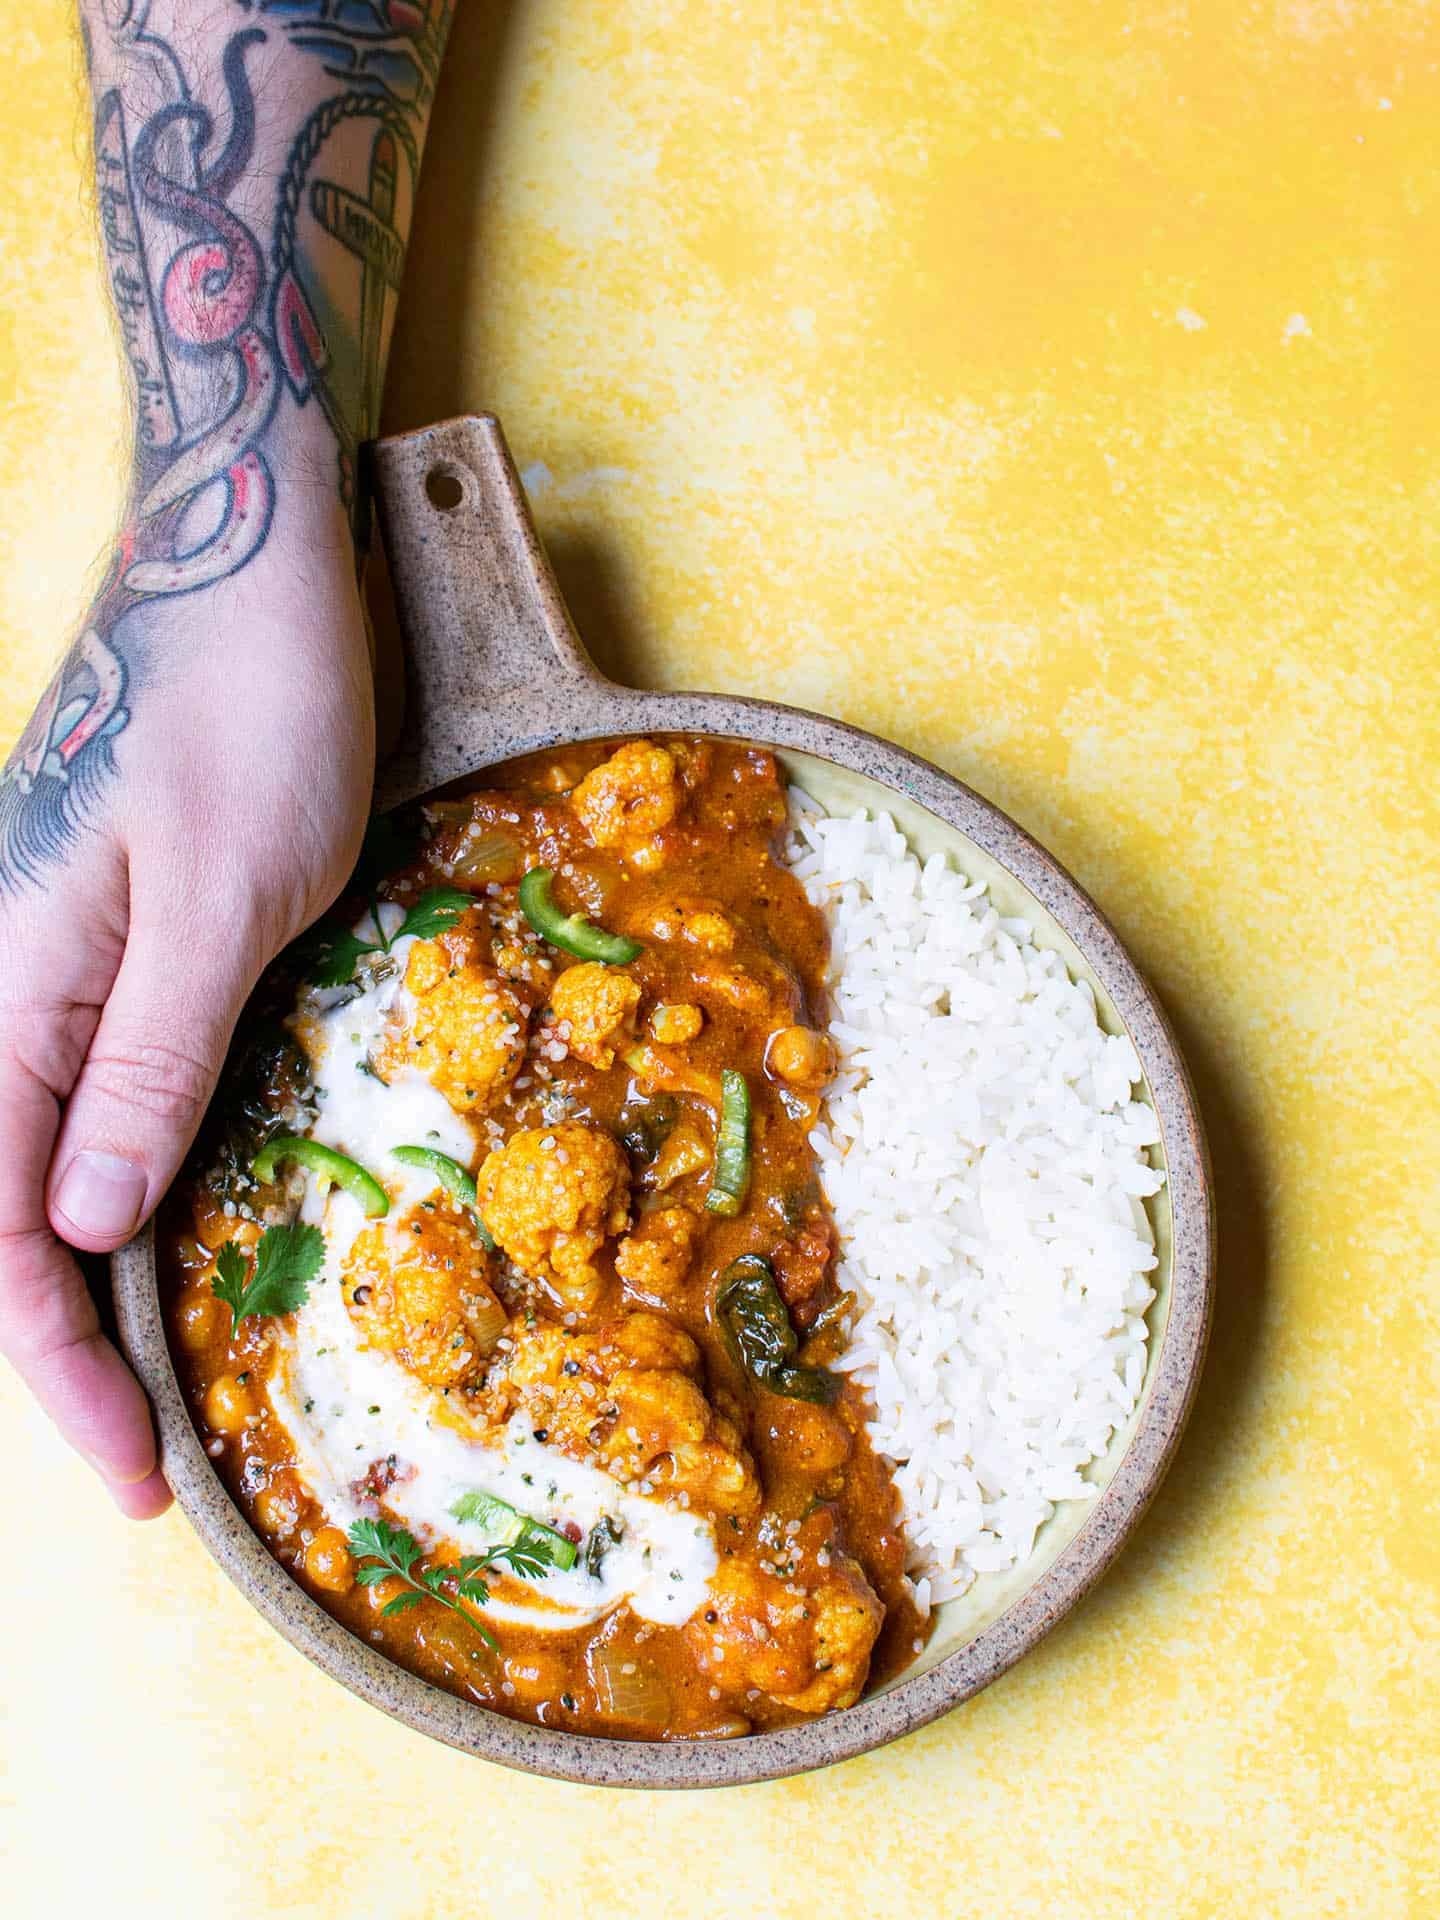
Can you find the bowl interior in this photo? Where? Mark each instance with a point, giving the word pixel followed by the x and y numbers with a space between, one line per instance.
pixel 839 790
pixel 970 1655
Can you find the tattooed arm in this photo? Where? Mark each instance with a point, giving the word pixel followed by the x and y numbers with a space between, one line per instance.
pixel 191 789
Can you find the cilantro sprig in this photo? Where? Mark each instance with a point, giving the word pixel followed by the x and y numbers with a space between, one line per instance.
pixel 331 955
pixel 286 1260
pixel 432 913
pixel 335 951
pixel 393 1553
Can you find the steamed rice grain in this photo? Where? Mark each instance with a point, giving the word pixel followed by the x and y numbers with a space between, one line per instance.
pixel 986 1163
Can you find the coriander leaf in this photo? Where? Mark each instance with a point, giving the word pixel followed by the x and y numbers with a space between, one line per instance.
pixel 402 1602
pixel 331 959
pixel 432 913
pixel 522 1558
pixel 397 1551
pixel 229 1282
pixel 378 1540
pixel 287 1259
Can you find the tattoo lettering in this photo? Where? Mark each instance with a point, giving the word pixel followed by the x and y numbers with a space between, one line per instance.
pixel 224 329
pixel 158 420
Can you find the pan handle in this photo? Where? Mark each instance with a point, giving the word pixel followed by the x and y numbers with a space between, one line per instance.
pixel 488 639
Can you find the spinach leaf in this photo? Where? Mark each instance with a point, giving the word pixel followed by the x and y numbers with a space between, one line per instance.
pixel 756 1324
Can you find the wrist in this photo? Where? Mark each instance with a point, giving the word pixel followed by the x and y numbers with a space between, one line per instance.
pixel 317 482
pixel 205 536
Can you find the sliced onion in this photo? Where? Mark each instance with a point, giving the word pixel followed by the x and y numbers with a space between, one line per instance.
pixel 641 1696
pixel 482 857
pixel 449 815
pixel 656 1069
pixel 485 1319
pixel 685 1151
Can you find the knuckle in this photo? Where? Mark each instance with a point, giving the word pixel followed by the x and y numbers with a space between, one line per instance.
pixel 161 1082
pixel 47 1042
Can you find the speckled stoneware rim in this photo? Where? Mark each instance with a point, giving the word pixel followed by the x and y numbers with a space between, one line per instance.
pixel 496 670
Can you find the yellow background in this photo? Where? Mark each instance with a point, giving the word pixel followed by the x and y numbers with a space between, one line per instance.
pixel 1055 388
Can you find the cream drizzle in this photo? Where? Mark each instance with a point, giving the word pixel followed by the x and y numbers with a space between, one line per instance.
pixel 324 1382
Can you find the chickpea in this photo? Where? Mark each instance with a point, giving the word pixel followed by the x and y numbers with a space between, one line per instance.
pixel 213 1226
pixel 190 1256
pixel 802 1057
pixel 227 1405
pixel 672 1026
pixel 383 1592
pixel 646 856
pixel 709 930
pixel 276 1507
pixel 198 1321
pixel 329 1565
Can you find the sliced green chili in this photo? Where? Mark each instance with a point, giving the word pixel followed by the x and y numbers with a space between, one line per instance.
pixel 453 1177
pixel 326 1164
pixel 515 1529
pixel 571 932
pixel 756 1324
pixel 731 1178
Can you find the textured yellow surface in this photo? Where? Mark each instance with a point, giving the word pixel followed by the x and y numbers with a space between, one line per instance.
pixel 1055 388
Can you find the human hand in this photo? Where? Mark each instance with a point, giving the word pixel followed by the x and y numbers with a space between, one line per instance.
pixel 232 820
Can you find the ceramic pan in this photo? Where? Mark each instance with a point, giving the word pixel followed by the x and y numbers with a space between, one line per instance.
pixel 496 669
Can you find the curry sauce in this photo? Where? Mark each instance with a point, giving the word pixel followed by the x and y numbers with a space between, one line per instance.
pixel 605 1269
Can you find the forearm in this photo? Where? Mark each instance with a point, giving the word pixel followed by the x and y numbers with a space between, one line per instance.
pixel 256 171
pixel 255 174
pixel 192 789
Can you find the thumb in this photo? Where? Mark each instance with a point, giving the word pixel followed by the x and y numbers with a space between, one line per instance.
pixel 147 1078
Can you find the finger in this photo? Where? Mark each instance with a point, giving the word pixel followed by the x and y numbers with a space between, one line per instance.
pixel 145 1499
pixel 49 1329
pixel 146 1080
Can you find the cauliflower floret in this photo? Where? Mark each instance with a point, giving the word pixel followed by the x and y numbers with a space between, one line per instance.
pixel 599 1003
pixel 700 922
pixel 630 797
pixel 627 1398
pixel 726 963
pixel 467 1031
pixel 808 1649
pixel 521 962
pixel 416 1286
pixel 655 1258
pixel 674 1025
pixel 552 1196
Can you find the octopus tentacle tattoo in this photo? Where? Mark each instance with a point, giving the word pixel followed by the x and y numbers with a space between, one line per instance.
pixel 225 330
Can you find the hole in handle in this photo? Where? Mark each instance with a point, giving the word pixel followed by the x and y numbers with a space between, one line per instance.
pixel 444 488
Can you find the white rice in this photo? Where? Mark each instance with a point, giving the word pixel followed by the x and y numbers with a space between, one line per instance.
pixel 986 1166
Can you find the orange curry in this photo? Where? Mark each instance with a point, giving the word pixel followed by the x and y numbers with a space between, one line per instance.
pixel 601 969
